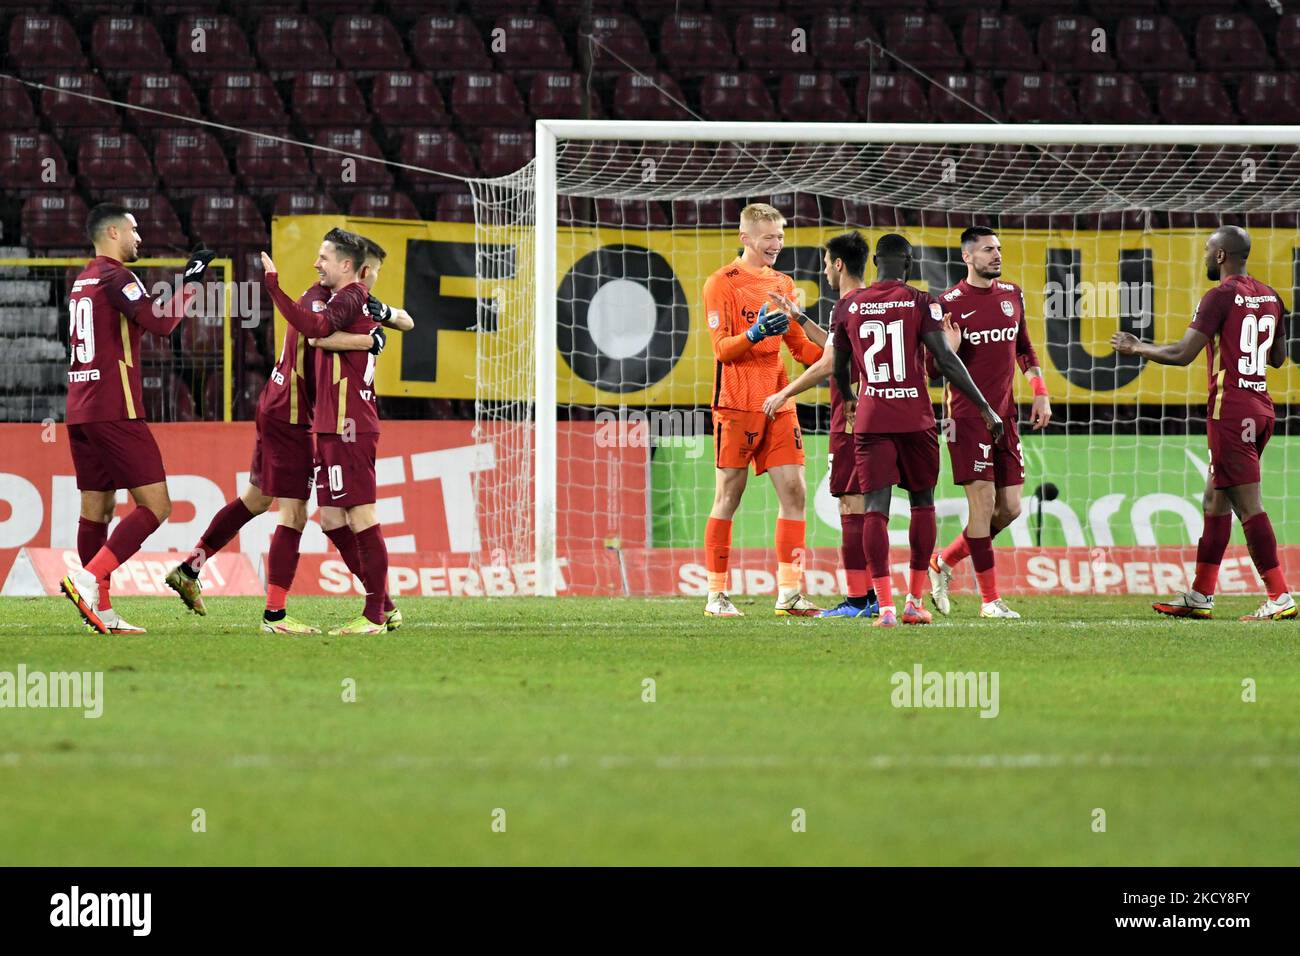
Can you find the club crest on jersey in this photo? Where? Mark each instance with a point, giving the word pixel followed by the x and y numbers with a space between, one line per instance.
pixel 1007 308
pixel 132 291
pixel 936 312
pixel 714 319
pixel 318 306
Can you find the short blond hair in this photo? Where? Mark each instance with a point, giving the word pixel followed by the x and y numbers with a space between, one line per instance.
pixel 761 212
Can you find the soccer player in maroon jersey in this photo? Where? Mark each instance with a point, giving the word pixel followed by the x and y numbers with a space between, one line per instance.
pixel 109 308
pixel 344 419
pixel 844 262
pixel 984 323
pixel 879 343
pixel 1243 323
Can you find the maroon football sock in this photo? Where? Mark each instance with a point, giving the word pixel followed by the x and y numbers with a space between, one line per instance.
pixel 875 542
pixel 123 542
pixel 91 536
pixel 225 525
pixel 374 571
pixel 921 535
pixel 853 557
pixel 281 565
pixel 1263 551
pixel 1209 552
pixel 346 541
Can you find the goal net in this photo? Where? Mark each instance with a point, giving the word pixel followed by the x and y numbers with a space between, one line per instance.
pixel 596 373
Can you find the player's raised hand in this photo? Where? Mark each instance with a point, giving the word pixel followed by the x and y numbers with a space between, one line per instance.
pixel 379 340
pixel 198 264
pixel 267 264
pixel 774 403
pixel 951 332
pixel 1041 413
pixel 380 312
pixel 786 305
pixel 1125 343
pixel 993 421
pixel 767 324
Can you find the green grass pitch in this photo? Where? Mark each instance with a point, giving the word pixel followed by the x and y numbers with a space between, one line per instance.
pixel 535 708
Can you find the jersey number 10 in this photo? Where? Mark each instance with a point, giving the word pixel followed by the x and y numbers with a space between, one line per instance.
pixel 878 332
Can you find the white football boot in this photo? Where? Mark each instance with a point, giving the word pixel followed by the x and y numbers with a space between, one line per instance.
pixel 1189 603
pixel 719 605
pixel 116 625
pixel 998 608
pixel 940 578
pixel 1271 610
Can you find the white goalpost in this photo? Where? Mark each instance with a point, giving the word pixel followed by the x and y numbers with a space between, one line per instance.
pixel 591 258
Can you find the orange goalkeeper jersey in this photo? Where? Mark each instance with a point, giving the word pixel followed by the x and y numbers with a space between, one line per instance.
pixel 745 374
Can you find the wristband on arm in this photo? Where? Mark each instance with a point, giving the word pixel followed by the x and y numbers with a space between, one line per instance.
pixel 1039 386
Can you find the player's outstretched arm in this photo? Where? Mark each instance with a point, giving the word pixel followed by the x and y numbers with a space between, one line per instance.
pixel 812 331
pixel 388 316
pixel 814 375
pixel 1277 351
pixel 955 371
pixel 1182 352
pixel 344 342
pixel 842 359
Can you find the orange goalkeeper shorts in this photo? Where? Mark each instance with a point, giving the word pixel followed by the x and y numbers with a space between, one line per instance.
pixel 743 437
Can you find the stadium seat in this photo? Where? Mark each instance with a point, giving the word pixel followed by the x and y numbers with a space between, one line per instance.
pixel 618 43
pixel 705 213
pixel 386 205
pixel 814 97
pixel 223 222
pixel 407 98
pixel 108 162
pixel 291 43
pixel 1195 9
pixel 1039 98
pixel 28 160
pixel 503 151
pixel 694 43
pixel 437 149
pixel 653 97
pixel 530 43
pixel 1288 41
pixel 799 209
pixel 190 162
pixel 314 203
pixel 923 40
pixel 408 11
pixel 1114 98
pixel 891 98
pixel 166 396
pixel 569 13
pixel 326 97
pixel 15 106
pixel 562 96
pixel 1272 98
pixel 1194 98
pixel 160 231
pixel 246 99
pixel 1151 44
pixel 455 207
pixel 998 42
pixel 1114 9
pixel 340 175
pixel 630 213
pixel 448 44
pixel 223 45
pixel 764 44
pixel 1228 42
pixel 40 43
pixel 946 107
pixel 267 166
pixel 838 40
pixel 366 44
pixel 122 45
pixel 1065 43
pixel 54 221
pixel 735 96
pixel 166 92
pixel 72 116
pixel 486 99
pixel 1038 8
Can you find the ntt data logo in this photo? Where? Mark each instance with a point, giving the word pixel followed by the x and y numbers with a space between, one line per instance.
pixel 76 909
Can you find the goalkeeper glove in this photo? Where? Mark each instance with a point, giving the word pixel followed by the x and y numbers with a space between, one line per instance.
pixel 767 325
pixel 379 340
pixel 378 311
pixel 197 265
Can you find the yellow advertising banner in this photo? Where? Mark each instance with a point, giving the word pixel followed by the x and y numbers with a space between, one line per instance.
pixel 631 328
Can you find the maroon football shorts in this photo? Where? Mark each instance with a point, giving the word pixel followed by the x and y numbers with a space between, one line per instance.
pixel 907 459
pixel 1235 450
pixel 345 470
pixel 112 455
pixel 976 457
pixel 282 459
pixel 843 463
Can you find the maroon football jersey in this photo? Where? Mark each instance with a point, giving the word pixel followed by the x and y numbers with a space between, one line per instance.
pixel 108 309
pixel 838 424
pixel 883 326
pixel 345 381
pixel 994 341
pixel 1241 316
pixel 290 391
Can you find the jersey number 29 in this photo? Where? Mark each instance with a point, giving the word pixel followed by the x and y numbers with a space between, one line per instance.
pixel 81 331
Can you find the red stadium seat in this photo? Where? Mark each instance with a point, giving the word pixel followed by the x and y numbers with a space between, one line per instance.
pixel 212 43
pixel 1065 42
pixel 1272 98
pixel 160 231
pixel 166 396
pixel 569 13
pixel 1195 9
pixel 1231 41
pixel 486 99
pixel 799 209
pixel 562 96
pixel 891 98
pixel 1151 44
pixel 764 43
pixel 407 99
pixel 839 41
pixel 1039 98
pixel 922 39
pixel 630 213
pixel 166 92
pixel 705 213
pixel 1194 98
pixel 313 203
pixel 246 99
pixel 40 43
pixel 694 43
pixel 455 207
pixel 345 174
pixel 15 106
pixel 108 162
pixel 190 162
pixel 54 221
pixel 735 96
pixel 1040 8
pixel 1000 42
pixel 1114 98
pixel 653 97
pixel 223 222
pixel 388 205
pixel 530 43
pixel 946 101
pixel 326 98
pixel 291 43
pixel 267 166
pixel 617 43
pixel 1114 9
pixel 407 11
pixel 814 97
pixel 74 115
pixel 122 45
pixel 28 160
pixel 448 44
pixel 436 149
pixel 504 151
pixel 1288 41
pixel 366 43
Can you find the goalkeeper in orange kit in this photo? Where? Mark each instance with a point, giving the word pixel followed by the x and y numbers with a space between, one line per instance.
pixel 750 309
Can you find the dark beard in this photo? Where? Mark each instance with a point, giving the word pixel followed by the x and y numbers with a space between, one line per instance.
pixel 989 273
pixel 1212 273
